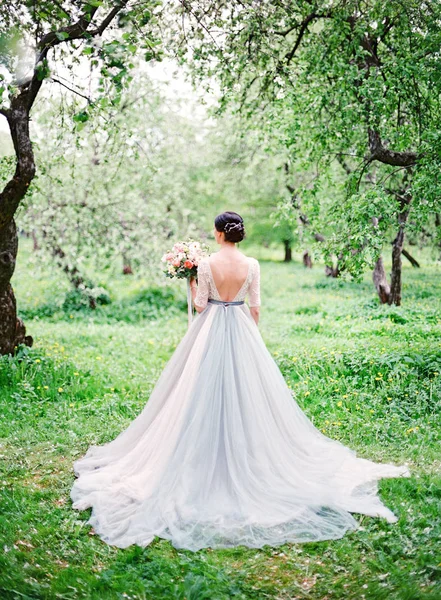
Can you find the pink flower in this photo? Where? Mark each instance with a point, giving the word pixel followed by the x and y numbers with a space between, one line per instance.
pixel 176 262
pixel 188 264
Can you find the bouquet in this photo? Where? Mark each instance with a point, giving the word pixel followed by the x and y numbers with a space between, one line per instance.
pixel 182 262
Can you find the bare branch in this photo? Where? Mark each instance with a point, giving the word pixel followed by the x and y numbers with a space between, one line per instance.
pixel 71 89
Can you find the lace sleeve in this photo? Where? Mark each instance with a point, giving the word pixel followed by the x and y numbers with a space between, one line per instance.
pixel 254 289
pixel 203 286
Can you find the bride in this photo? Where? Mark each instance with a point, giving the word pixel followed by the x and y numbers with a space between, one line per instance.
pixel 222 455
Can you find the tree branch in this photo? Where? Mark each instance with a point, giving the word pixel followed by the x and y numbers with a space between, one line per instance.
pixel 303 27
pixel 106 22
pixel 386 156
pixel 71 89
pixel 74 32
pixel 413 261
pixel 21 104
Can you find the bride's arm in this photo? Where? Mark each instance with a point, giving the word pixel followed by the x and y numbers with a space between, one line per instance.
pixel 199 292
pixel 255 313
pixel 194 293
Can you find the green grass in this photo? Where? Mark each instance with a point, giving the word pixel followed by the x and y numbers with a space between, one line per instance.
pixel 367 375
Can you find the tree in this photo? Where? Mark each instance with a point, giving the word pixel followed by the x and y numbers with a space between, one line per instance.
pixel 338 79
pixel 103 33
pixel 105 192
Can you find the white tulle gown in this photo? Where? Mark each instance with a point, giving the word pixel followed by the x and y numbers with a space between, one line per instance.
pixel 222 455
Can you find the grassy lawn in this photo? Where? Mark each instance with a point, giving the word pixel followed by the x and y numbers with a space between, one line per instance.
pixel 367 375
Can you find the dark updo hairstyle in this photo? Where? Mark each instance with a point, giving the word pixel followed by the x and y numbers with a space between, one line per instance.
pixel 232 225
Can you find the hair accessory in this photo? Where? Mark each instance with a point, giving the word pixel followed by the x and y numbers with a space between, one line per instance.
pixel 229 227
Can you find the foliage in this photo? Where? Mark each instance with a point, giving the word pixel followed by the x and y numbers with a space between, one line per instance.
pixel 22 24
pixel 350 91
pixel 104 192
pixel 133 180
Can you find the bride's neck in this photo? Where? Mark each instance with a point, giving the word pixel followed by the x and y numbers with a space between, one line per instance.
pixel 227 246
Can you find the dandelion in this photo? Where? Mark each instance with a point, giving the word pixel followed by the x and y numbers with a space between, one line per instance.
pixel 38 360
pixel 307 393
pixel 99 358
pixel 76 373
pixel 46 387
pixel 71 404
pixel 60 389
pixel 345 395
pixel 340 403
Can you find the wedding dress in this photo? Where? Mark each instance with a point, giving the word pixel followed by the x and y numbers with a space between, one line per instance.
pixel 222 455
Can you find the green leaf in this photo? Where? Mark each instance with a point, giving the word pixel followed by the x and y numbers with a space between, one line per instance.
pixel 81 117
pixel 62 35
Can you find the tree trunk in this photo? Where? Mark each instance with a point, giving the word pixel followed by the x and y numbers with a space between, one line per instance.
pixel 397 249
pixel 332 271
pixel 12 330
pixel 17 115
pixel 288 251
pixel 35 241
pixel 127 267
pixel 391 294
pixel 73 273
pixel 380 281
pixel 307 260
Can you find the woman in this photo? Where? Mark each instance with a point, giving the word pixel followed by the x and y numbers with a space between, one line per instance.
pixel 222 455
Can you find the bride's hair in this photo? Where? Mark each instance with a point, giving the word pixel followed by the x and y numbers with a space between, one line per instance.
pixel 232 225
